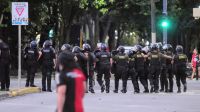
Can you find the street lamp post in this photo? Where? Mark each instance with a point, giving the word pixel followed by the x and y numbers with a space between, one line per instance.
pixel 153 29
pixel 164 28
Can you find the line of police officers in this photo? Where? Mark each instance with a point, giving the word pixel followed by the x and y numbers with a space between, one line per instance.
pixel 140 64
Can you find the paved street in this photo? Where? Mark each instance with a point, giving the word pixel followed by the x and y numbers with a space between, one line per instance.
pixel 98 102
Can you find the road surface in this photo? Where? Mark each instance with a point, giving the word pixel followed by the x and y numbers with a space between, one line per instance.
pixel 102 102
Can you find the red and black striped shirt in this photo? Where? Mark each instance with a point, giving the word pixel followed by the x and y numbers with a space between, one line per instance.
pixel 75 90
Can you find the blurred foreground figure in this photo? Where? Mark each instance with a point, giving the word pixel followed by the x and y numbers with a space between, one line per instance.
pixel 4 66
pixel 70 84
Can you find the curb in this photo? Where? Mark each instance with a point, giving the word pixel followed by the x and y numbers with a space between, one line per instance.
pixel 23 91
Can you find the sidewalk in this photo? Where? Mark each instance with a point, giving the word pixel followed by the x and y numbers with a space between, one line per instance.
pixel 15 91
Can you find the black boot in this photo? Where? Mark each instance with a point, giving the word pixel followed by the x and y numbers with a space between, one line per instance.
pixel 179 90
pixel 91 89
pixel 156 91
pixel 185 88
pixel 124 90
pixel 102 88
pixel 162 90
pixel 27 84
pixel 115 91
pixel 146 90
pixel 170 90
pixel 107 89
pixel 152 90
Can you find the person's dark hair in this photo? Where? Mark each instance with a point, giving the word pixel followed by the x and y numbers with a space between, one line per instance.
pixel 67 59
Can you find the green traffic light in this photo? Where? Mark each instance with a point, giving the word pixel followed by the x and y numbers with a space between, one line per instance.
pixel 165 24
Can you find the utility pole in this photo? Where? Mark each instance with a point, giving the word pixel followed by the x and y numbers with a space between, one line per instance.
pixel 165 15
pixel 153 28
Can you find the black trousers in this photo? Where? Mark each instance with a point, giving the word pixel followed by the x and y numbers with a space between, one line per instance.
pixel 163 78
pixel 5 82
pixel 91 79
pixel 104 71
pixel 142 77
pixel 46 77
pixel 134 78
pixel 31 70
pixel 181 77
pixel 154 77
pixel 121 72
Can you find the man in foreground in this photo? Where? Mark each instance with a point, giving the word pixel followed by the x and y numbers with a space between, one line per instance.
pixel 70 85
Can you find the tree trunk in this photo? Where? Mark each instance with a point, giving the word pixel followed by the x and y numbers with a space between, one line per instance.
pixel 106 29
pixel 90 24
pixel 1 19
pixel 111 40
pixel 97 30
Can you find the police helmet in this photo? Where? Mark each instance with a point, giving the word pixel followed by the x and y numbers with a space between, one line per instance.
pixel 114 52
pixel 159 46
pixel 131 52
pixel 138 48
pixel 76 49
pixel 165 47
pixel 146 49
pixel 66 47
pixel 67 60
pixel 86 47
pixel 47 44
pixel 121 49
pixel 154 47
pixel 33 44
pixel 169 47
pixel 179 49
pixel 103 47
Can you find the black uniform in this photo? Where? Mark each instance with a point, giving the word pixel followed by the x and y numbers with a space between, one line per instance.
pixel 155 69
pixel 166 78
pixel 4 66
pixel 31 57
pixel 132 73
pixel 90 70
pixel 140 63
pixel 104 68
pixel 48 57
pixel 121 60
pixel 163 75
pixel 180 61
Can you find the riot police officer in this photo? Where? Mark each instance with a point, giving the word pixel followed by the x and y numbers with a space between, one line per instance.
pixel 145 51
pixel 139 66
pixel 4 66
pixel 47 56
pixel 155 67
pixel 113 65
pixel 131 70
pixel 166 78
pixel 66 47
pixel 89 68
pixel 121 60
pixel 31 57
pixel 180 61
pixel 103 58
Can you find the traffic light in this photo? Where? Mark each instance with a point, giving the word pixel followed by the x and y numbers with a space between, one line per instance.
pixel 165 23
